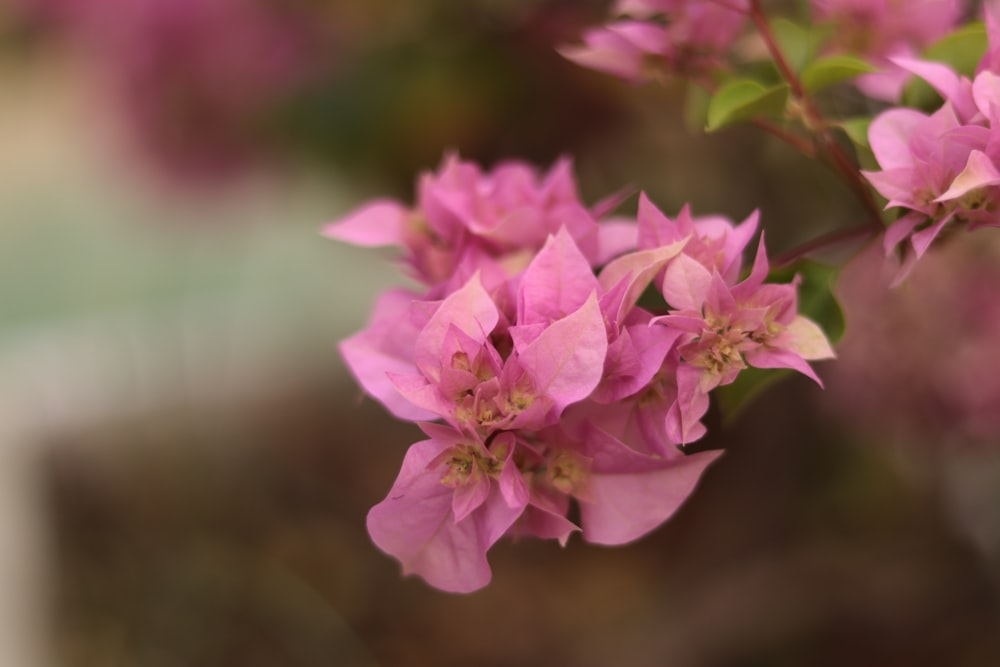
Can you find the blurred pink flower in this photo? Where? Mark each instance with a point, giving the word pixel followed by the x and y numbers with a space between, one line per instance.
pixel 919 364
pixel 881 29
pixel 195 79
pixel 687 38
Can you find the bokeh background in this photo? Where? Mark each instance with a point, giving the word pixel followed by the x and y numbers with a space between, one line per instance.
pixel 185 464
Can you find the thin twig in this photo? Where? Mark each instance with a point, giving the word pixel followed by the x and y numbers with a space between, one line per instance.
pixel 822 243
pixel 814 120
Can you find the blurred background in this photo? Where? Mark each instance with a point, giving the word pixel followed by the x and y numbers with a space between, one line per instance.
pixel 185 464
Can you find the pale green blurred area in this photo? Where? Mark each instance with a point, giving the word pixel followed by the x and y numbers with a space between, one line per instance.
pixel 115 288
pixel 122 299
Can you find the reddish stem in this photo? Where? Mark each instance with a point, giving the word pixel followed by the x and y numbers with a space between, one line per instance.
pixel 815 121
pixel 822 243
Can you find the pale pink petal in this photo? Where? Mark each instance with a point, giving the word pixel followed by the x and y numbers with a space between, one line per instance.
pixel 606 50
pixel 512 485
pixel 638 354
pixel 566 361
pixel 889 136
pixel 686 283
pixel 922 239
pixel 986 92
pixel 758 273
pixel 736 242
pixel 545 517
pixel 415 525
pixel 806 339
pixel 767 357
pixel 901 229
pixel 468 498
pixel 470 309
pixel 896 185
pixel 377 223
pixel 384 347
pixel 656 229
pixel 626 506
pixel 557 282
pixel 615 237
pixel 422 395
pixel 979 172
pixel 636 270
pixel 683 422
pixel 945 81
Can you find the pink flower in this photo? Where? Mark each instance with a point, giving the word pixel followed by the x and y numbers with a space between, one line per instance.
pixel 427 360
pixel 938 168
pixel 712 240
pixel 554 384
pixel 727 328
pixel 879 30
pixel 466 221
pixel 693 39
pixel 453 499
pixel 886 382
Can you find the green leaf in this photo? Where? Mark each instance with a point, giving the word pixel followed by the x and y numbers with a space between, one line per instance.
pixel 696 101
pixel 749 384
pixel 856 130
pixel 740 100
pixel 799 45
pixel 961 50
pixel 826 72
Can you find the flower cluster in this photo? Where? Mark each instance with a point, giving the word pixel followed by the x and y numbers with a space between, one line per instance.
pixel 681 37
pixel 942 167
pixel 534 371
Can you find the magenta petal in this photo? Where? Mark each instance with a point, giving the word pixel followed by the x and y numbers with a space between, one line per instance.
pixel 545 517
pixel 566 360
pixel 385 347
pixel 618 48
pixel 979 172
pixel 758 273
pixel 889 135
pixel 897 185
pixel 900 229
pixel 686 283
pixel 614 238
pixel 683 422
pixel 470 309
pixel 556 283
pixel 654 228
pixel 469 497
pixel 922 239
pixel 512 485
pixel 421 394
pixel 636 270
pixel 377 223
pixel 495 517
pixel 765 357
pixel 952 87
pixel 626 506
pixel 736 241
pixel 415 525
pixel 986 93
